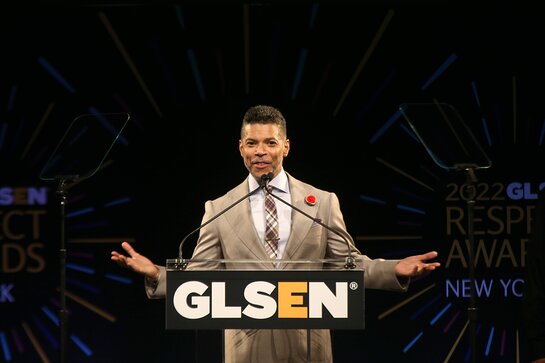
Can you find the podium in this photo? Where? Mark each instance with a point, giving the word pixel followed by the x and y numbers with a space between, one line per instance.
pixel 262 294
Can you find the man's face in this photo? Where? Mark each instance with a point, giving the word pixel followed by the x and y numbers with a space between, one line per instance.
pixel 263 149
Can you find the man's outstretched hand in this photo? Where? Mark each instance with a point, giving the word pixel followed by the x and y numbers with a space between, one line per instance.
pixel 418 265
pixel 135 262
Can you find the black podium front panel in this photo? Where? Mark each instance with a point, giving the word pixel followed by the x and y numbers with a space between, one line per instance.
pixel 265 299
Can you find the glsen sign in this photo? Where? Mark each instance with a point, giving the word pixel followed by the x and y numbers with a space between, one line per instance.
pixel 223 299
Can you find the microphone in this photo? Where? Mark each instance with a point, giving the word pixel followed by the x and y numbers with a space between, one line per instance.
pixel 350 261
pixel 263 181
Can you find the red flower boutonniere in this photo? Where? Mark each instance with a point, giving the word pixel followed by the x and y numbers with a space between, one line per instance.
pixel 310 199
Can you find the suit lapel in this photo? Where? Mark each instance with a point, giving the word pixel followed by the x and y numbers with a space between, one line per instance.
pixel 300 223
pixel 242 222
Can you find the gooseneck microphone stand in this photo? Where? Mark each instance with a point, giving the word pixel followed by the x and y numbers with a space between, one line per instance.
pixel 181 261
pixel 350 260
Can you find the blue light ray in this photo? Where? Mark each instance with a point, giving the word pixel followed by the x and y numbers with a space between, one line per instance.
pixel 80 268
pixel 442 68
pixel 490 336
pixel 321 83
pixel 81 226
pixel 409 194
pixel 11 99
pixel 80 212
pixel 180 16
pixel 300 66
pixel 375 96
pixel 117 202
pixel 81 345
pixel 196 73
pixel 438 316
pixel 118 278
pixel 475 93
pixel 51 315
pixel 50 337
pixel 83 285
pixel 487 133
pixel 424 307
pixel 5 347
pixel 78 135
pixel 410 132
pixel 48 67
pixel 468 352
pixel 372 199
pixel 54 160
pixel 385 127
pixel 313 15
pixel 107 124
pixel 410 345
pixel 410 209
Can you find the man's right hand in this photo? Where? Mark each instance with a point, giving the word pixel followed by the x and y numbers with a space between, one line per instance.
pixel 136 262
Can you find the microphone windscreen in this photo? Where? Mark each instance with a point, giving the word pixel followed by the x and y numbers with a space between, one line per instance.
pixel 265 178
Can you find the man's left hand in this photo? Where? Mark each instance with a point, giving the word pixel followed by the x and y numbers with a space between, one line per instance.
pixel 416 265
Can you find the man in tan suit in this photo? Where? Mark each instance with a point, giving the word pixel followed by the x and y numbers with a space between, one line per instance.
pixel 240 233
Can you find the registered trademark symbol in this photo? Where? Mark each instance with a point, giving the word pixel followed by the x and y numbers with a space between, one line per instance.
pixel 353 285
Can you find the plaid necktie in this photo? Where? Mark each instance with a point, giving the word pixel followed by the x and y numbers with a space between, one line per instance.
pixel 271 228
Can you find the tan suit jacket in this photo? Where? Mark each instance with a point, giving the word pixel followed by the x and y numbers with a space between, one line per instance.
pixel 233 236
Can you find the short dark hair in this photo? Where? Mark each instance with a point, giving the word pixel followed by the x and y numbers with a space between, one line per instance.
pixel 262 114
